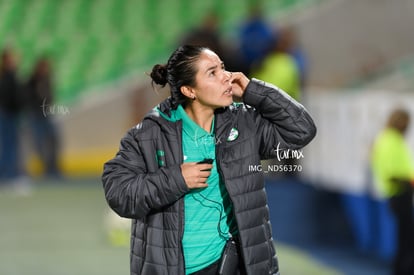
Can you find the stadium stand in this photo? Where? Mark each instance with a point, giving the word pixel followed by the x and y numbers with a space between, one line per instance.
pixel 94 42
pixel 396 76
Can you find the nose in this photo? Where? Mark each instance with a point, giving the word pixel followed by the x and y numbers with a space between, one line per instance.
pixel 228 75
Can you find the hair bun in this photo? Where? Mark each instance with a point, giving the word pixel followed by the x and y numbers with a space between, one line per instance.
pixel 159 74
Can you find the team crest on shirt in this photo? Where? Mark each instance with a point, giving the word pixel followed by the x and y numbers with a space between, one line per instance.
pixel 234 134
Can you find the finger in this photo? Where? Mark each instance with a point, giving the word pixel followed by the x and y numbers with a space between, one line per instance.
pixel 198 184
pixel 204 166
pixel 235 76
pixel 202 181
pixel 204 174
pixel 190 164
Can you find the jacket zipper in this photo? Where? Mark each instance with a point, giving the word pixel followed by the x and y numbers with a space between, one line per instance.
pixel 218 161
pixel 181 201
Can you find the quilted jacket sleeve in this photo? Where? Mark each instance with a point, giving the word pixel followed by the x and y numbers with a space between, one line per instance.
pixel 132 191
pixel 280 120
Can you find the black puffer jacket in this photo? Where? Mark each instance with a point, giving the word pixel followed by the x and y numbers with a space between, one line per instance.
pixel 148 187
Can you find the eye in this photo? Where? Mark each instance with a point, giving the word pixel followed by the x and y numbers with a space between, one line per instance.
pixel 212 73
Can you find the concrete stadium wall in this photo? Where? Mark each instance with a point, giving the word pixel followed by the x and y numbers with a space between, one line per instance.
pixel 348 122
pixel 348 39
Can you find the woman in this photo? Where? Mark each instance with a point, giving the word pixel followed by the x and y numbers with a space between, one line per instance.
pixel 393 169
pixel 10 108
pixel 39 93
pixel 185 213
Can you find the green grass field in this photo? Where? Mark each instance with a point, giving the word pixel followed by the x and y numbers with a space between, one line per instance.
pixel 58 229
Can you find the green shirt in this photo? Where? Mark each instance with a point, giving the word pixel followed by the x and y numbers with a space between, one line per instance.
pixel 391 159
pixel 205 228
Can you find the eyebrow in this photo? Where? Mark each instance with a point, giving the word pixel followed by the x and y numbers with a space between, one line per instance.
pixel 214 67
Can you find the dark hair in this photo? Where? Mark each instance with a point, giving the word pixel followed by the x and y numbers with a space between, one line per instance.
pixel 179 71
pixel 399 119
pixel 5 55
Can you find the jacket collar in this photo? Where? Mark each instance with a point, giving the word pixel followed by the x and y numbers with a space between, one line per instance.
pixel 222 117
pixel 166 106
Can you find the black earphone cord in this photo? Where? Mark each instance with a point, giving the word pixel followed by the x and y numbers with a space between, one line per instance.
pixel 219 208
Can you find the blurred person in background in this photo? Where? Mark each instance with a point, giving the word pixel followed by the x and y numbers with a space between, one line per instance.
pixel 393 169
pixel 256 37
pixel 299 55
pixel 279 67
pixel 208 35
pixel 39 95
pixel 10 108
pixel 183 175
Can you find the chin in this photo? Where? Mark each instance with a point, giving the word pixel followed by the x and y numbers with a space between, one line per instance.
pixel 226 103
pixel 222 103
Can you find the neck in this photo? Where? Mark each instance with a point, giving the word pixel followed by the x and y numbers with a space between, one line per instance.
pixel 201 115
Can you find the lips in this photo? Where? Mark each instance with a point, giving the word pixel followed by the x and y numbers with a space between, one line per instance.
pixel 228 92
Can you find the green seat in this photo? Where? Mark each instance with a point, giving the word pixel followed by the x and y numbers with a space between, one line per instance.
pixel 98 41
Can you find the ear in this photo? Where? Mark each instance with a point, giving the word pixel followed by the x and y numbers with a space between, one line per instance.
pixel 188 91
